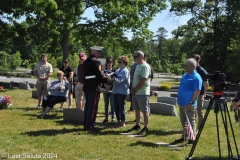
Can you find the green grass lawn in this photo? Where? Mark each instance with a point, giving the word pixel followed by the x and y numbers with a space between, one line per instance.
pixel 22 132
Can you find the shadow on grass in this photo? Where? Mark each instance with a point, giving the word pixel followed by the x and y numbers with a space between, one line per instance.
pixel 25 109
pixel 209 158
pixel 73 123
pixel 144 144
pixel 162 133
pixel 52 116
pixel 51 132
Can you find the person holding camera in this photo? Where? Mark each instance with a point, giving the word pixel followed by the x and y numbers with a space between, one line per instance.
pixel 108 96
pixel 203 73
pixel 189 89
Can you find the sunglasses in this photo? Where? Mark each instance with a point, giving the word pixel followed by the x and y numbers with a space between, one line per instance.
pixel 119 62
pixel 109 62
pixel 135 56
pixel 65 62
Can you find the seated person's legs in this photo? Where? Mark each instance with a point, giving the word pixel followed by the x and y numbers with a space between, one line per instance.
pixel 50 102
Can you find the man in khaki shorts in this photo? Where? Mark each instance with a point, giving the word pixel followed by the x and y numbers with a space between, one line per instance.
pixel 79 94
pixel 141 91
pixel 42 70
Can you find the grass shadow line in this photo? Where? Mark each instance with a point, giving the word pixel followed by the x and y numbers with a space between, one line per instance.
pixel 51 132
pixel 144 144
pixel 163 133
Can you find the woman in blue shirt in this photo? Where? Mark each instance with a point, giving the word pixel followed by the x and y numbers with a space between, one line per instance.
pixel 121 89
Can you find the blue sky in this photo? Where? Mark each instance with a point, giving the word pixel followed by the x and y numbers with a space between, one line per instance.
pixel 168 21
pixel 163 19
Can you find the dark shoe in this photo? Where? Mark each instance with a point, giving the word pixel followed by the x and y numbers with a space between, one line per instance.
pixel 190 142
pixel 143 131
pixel 135 128
pixel 179 141
pixel 122 125
pixel 105 121
pixel 41 116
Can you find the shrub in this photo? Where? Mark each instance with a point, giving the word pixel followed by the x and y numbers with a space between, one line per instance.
pixel 210 88
pixel 165 86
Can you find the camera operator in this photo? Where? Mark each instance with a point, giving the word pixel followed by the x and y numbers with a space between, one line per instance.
pixel 203 73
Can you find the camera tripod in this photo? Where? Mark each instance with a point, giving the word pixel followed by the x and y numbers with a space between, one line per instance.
pixel 220 105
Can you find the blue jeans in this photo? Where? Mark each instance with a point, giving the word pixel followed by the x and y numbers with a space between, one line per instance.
pixel 91 108
pixel 120 106
pixel 107 97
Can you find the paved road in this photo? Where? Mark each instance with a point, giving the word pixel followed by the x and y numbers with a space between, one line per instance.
pixel 155 82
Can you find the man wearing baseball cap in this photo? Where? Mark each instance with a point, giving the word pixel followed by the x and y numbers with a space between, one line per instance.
pixel 92 70
pixel 79 94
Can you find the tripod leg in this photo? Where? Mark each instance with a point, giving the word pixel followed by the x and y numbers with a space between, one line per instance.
pixel 224 118
pixel 216 113
pixel 234 139
pixel 200 129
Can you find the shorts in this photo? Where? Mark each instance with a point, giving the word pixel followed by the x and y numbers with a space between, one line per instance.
pixel 140 102
pixel 42 88
pixel 79 94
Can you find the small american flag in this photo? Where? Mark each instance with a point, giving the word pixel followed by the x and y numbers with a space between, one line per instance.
pixel 189 129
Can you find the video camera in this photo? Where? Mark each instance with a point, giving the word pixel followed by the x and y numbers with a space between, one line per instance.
pixel 111 74
pixel 218 83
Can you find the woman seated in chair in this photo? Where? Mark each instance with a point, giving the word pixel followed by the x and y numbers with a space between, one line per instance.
pixel 58 93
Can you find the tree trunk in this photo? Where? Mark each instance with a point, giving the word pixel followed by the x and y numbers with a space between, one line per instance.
pixel 65 43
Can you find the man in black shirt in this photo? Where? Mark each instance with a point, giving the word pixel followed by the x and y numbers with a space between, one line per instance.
pixel 92 70
pixel 203 73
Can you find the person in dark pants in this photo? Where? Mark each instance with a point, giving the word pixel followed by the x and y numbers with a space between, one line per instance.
pixel 93 76
pixel 203 73
pixel 132 69
pixel 68 73
pixel 108 96
pixel 121 89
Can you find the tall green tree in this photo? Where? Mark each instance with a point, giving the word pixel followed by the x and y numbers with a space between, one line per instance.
pixel 213 25
pixel 14 61
pixel 56 19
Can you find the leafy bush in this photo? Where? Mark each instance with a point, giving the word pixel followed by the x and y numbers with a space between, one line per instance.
pixel 210 88
pixel 54 74
pixel 165 86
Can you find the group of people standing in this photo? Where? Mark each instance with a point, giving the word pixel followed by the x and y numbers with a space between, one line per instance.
pixel 88 77
pixel 116 89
